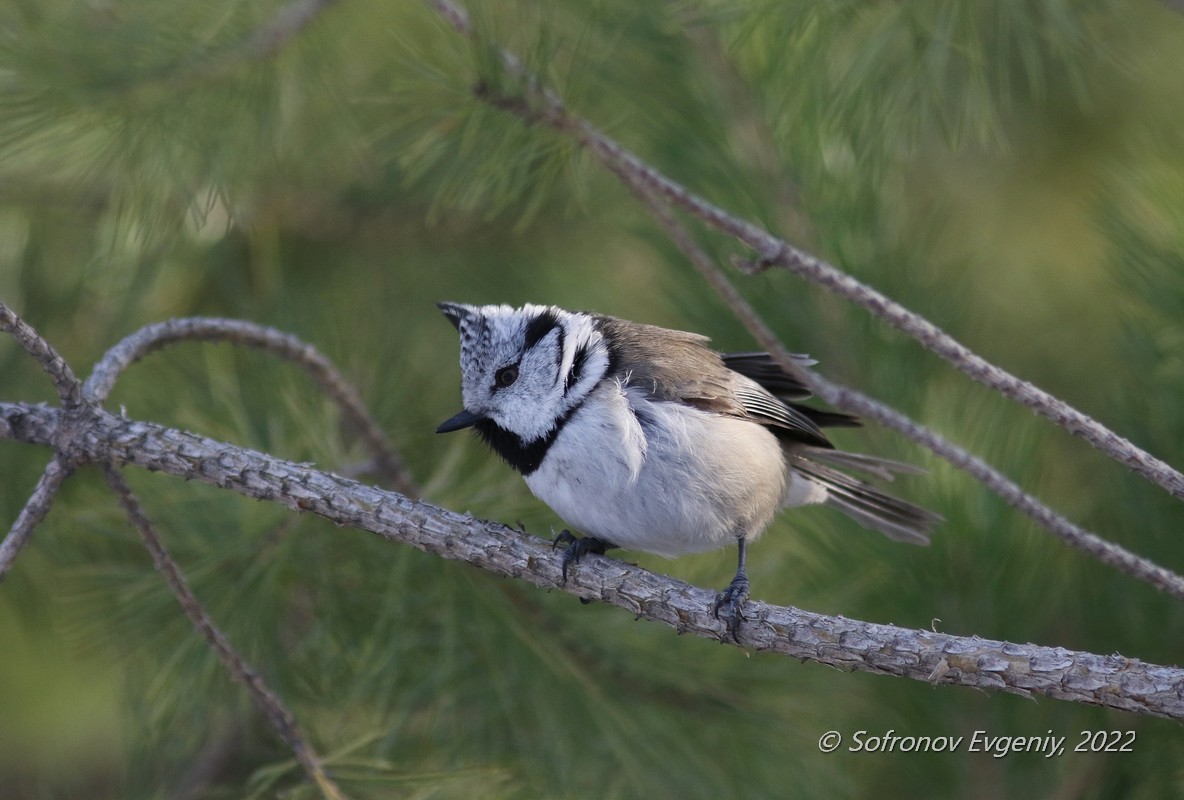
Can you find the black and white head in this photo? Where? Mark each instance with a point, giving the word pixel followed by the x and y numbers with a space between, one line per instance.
pixel 524 371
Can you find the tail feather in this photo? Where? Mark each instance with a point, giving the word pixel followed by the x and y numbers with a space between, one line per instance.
pixel 867 505
pixel 883 468
pixel 826 419
pixel 813 458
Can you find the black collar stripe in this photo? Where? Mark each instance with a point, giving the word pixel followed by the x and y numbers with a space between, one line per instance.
pixel 522 456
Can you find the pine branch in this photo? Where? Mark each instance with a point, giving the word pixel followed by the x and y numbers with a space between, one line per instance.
pixel 82 405
pixel 69 391
pixel 68 387
pixel 1025 669
pixel 34 510
pixel 272 707
pixel 843 397
pixel 540 104
pixel 386 461
pixel 287 23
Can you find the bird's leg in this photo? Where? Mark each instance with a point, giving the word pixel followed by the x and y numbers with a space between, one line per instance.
pixel 731 600
pixel 578 548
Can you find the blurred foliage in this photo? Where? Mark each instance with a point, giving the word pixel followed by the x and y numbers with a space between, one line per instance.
pixel 1012 170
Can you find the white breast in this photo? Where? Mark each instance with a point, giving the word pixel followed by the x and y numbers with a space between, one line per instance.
pixel 660 476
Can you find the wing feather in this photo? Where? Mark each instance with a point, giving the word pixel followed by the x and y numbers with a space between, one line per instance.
pixel 681 367
pixel 768 373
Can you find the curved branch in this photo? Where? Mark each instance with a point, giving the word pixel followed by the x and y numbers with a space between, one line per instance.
pixel 1110 681
pixel 63 431
pixel 774 251
pixel 132 348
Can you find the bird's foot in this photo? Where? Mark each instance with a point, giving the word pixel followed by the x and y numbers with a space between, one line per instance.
pixel 731 603
pixel 578 548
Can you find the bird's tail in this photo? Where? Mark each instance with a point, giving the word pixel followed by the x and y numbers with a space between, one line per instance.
pixel 861 501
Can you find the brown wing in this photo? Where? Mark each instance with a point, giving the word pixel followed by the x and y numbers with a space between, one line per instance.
pixel 763 369
pixel 679 366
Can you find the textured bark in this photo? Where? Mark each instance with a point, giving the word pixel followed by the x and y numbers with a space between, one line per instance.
pixel 160 335
pixel 1111 681
pixel 268 703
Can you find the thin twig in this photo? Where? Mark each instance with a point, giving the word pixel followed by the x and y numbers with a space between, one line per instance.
pixel 287 23
pixel 69 390
pixel 850 400
pixel 774 251
pixel 386 461
pixel 68 387
pixel 1111 681
pixel 263 43
pixel 266 700
pixel 33 512
pixel 1075 536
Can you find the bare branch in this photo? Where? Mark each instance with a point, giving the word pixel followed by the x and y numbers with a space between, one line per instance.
pixel 69 391
pixel 1110 681
pixel 288 22
pixel 850 400
pixel 1075 536
pixel 67 386
pixel 263 43
pixel 267 701
pixel 34 511
pixel 387 463
pixel 774 251
pixel 82 405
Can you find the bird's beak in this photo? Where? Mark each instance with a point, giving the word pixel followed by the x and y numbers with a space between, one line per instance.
pixel 465 419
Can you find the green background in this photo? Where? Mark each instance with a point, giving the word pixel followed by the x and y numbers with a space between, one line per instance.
pixel 1014 171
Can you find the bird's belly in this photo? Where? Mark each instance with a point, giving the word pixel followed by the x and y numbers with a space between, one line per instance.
pixel 677 481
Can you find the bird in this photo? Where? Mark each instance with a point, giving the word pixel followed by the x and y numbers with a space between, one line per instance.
pixel 645 438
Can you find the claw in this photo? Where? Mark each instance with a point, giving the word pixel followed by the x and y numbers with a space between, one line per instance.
pixel 578 548
pixel 563 537
pixel 731 602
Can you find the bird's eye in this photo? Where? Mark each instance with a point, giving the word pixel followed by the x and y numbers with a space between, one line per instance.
pixel 506 376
